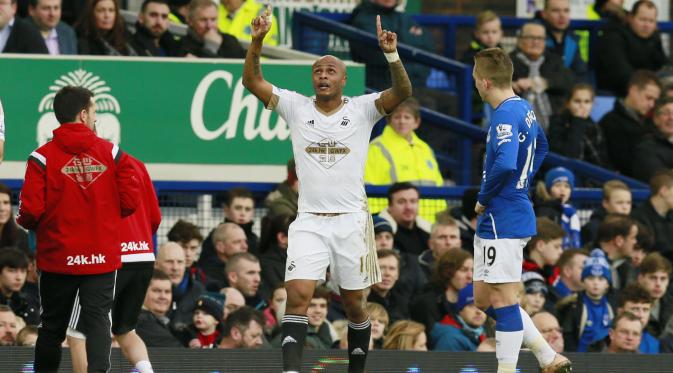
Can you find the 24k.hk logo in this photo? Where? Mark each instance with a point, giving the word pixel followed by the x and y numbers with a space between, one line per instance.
pixel 83 169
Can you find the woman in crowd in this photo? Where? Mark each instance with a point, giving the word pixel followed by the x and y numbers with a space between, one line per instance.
pixel 406 335
pixel 101 30
pixel 11 235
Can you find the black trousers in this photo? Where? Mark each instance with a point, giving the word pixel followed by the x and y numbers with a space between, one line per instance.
pixel 57 294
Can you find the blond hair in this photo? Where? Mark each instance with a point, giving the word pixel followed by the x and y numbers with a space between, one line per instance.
pixel 611 186
pixel 494 64
pixel 403 335
pixel 378 312
pixel 485 17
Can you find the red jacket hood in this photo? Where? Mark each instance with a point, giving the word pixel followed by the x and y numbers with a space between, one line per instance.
pixel 74 138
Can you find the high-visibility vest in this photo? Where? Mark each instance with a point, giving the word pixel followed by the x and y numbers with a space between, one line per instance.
pixel 239 25
pixel 392 158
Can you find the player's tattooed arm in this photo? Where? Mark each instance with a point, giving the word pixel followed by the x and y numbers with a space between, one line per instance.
pixel 252 69
pixel 401 85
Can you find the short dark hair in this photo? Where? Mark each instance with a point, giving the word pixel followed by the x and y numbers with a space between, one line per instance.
pixel 646 3
pixel 239 192
pixel 147 2
pixel 654 262
pixel 663 178
pixel 241 318
pixel 634 293
pixel 384 253
pixel 159 275
pixel 13 258
pixel 624 315
pixel 547 230
pixel 568 256
pixel 69 101
pixel 397 187
pixel 645 238
pixel 322 292
pixel 641 78
pixel 184 231
pixel 614 225
pixel 663 102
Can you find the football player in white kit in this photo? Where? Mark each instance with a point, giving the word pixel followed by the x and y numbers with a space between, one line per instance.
pixel 330 138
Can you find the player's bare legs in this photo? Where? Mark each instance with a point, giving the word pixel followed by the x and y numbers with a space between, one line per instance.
pixel 359 328
pixel 135 351
pixel 492 297
pixel 77 348
pixel 295 322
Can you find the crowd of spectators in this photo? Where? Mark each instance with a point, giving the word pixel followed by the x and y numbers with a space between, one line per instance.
pixel 598 286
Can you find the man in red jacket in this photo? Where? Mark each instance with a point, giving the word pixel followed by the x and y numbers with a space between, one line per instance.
pixel 137 249
pixel 76 190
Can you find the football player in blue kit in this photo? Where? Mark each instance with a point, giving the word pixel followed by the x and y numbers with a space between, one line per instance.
pixel 515 148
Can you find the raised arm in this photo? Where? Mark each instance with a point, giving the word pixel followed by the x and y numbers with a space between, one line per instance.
pixel 252 70
pixel 401 89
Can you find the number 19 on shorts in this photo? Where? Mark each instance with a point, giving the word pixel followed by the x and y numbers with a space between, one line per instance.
pixel 489 255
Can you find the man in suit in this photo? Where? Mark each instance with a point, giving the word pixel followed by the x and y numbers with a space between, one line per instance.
pixel 16 35
pixel 58 36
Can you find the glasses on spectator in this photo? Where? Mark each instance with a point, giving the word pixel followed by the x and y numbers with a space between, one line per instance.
pixel 665 113
pixel 532 38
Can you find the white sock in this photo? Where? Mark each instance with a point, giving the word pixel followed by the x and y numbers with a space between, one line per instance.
pixel 535 341
pixel 507 346
pixel 144 366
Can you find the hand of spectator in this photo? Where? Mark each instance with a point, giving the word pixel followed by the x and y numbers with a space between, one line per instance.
pixel 479 208
pixel 522 85
pixel 387 39
pixel 261 24
pixel 194 343
pixel 416 31
pixel 213 35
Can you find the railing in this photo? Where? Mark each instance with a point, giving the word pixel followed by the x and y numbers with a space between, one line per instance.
pixel 451 24
pixel 311 33
pixel 201 202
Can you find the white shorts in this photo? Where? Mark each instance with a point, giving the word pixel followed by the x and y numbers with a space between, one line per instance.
pixel 498 261
pixel 343 242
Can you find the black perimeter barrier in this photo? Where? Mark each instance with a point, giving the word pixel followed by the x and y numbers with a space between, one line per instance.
pixel 19 359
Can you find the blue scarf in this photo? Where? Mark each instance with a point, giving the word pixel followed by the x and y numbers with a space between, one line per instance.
pixel 570 222
pixel 561 288
pixel 598 322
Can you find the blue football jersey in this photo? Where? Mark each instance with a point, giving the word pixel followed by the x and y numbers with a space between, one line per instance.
pixel 515 148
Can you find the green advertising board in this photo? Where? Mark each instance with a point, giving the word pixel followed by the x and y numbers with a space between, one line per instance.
pixel 187 119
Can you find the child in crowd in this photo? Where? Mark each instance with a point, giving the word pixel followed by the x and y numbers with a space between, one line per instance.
pixel 535 292
pixel 379 319
pixel 207 321
pixel 469 332
pixel 27 336
pixel 586 317
pixel 487 34
pixel 573 133
pixel 554 195
pixel 275 310
pixel 617 199
pixel 544 249
pixel 406 335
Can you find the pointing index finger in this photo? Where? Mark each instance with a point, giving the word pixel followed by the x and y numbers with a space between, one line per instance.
pixel 379 31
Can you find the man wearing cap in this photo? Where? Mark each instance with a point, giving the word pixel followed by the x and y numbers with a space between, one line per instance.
pixel 586 318
pixel 535 292
pixel 469 331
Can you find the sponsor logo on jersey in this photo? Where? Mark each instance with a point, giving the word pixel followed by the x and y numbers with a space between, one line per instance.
pixel 327 151
pixel 83 169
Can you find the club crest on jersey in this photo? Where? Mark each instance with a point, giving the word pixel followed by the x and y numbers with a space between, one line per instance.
pixel 83 169
pixel 345 122
pixel 327 152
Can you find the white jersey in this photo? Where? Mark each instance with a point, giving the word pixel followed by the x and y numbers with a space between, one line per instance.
pixel 2 123
pixel 329 150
